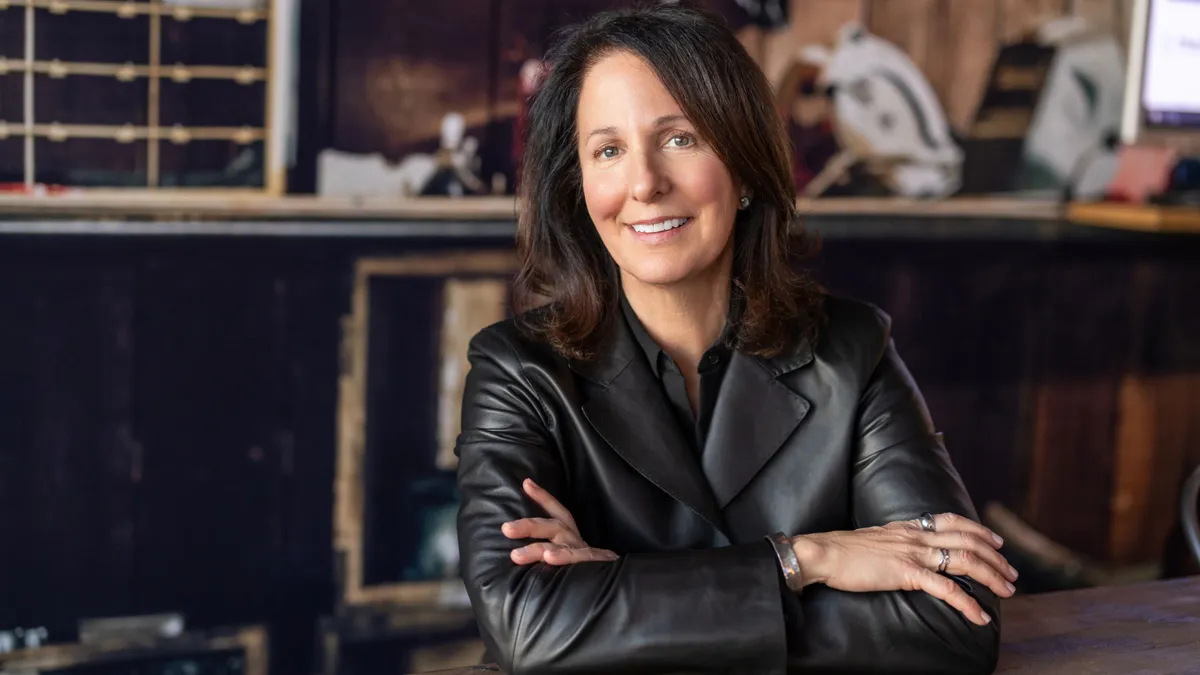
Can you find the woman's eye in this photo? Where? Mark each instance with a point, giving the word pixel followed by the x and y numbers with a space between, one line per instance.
pixel 681 141
pixel 608 152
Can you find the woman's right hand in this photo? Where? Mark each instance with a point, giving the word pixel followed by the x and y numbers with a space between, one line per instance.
pixel 901 556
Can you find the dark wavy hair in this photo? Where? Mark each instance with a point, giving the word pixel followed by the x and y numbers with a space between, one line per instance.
pixel 727 98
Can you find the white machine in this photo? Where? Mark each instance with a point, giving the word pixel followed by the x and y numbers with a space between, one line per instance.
pixel 886 116
pixel 1071 146
pixel 1162 102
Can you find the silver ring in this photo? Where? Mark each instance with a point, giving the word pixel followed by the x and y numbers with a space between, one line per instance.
pixel 926 521
pixel 945 560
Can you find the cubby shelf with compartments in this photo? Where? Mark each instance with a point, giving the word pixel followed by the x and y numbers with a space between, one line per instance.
pixel 145 95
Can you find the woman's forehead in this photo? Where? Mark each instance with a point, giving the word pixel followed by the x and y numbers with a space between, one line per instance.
pixel 622 91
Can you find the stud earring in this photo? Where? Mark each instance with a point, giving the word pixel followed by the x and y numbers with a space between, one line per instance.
pixel 744 203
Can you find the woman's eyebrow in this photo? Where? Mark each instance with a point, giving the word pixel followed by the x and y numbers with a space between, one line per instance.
pixel 669 119
pixel 659 122
pixel 603 131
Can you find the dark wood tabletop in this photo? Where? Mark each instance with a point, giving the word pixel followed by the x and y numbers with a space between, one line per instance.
pixel 1147 629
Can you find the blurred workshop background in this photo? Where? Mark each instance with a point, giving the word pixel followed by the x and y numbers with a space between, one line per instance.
pixel 243 244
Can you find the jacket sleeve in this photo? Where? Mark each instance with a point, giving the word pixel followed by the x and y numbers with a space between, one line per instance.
pixel 682 611
pixel 901 470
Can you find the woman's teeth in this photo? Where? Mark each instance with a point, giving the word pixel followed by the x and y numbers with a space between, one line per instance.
pixel 660 226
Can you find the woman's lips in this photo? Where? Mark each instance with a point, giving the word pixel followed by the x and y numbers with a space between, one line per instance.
pixel 660 231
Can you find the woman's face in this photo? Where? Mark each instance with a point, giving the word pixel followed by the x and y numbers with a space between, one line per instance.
pixel 661 199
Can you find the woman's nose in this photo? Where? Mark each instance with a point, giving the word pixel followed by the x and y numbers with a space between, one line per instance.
pixel 648 179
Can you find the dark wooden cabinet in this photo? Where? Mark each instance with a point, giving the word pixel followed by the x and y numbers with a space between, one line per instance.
pixel 169 404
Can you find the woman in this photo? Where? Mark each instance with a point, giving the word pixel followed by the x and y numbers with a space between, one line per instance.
pixel 690 459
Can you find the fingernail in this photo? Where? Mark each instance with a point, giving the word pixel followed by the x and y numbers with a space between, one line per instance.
pixel 506 528
pixel 1012 572
pixel 998 539
pixel 986 619
pixel 1011 588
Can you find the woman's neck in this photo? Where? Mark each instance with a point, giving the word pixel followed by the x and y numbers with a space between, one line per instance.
pixel 685 318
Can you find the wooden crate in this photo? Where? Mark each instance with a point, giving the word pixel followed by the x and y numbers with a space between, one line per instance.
pixel 403 363
pixel 145 95
pixel 244 651
pixel 379 639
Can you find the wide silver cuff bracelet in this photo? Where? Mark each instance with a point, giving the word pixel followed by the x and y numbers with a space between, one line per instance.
pixel 787 561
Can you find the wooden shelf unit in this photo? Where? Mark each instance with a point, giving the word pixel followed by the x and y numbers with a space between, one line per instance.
pixel 382 638
pixel 273 72
pixel 126 72
pixel 352 498
pixel 131 9
pixel 128 133
pixel 249 643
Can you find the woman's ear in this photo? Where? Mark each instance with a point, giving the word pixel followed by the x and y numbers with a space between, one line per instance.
pixel 745 194
pixel 746 198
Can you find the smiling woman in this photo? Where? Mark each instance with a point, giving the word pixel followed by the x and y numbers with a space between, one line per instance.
pixel 690 458
pixel 648 117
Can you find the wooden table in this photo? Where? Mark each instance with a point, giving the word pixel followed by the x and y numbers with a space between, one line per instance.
pixel 1147 629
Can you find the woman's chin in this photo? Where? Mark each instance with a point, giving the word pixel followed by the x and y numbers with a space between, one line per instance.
pixel 663 268
pixel 663 274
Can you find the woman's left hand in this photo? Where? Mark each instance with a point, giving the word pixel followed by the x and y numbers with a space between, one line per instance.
pixel 562 545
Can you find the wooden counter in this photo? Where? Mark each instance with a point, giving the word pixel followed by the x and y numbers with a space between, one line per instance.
pixel 227 206
pixel 189 206
pixel 1148 629
pixel 166 213
pixel 108 214
pixel 1136 217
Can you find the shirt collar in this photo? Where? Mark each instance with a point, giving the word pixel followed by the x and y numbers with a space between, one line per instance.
pixel 651 348
pixel 647 343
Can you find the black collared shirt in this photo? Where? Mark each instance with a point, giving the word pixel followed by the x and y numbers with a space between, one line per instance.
pixel 695 427
pixel 712 371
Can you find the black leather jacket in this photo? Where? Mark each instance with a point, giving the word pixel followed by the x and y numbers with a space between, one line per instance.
pixel 831 438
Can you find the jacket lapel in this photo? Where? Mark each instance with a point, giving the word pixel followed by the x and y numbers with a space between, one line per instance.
pixel 755 414
pixel 630 412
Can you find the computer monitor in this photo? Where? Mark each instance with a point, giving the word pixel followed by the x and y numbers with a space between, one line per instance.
pixel 1162 90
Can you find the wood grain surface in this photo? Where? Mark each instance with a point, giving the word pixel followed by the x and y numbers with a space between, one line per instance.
pixel 1148 629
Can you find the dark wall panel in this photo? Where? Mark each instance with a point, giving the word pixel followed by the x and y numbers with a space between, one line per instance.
pixel 961 322
pixel 68 461
pixel 215 437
